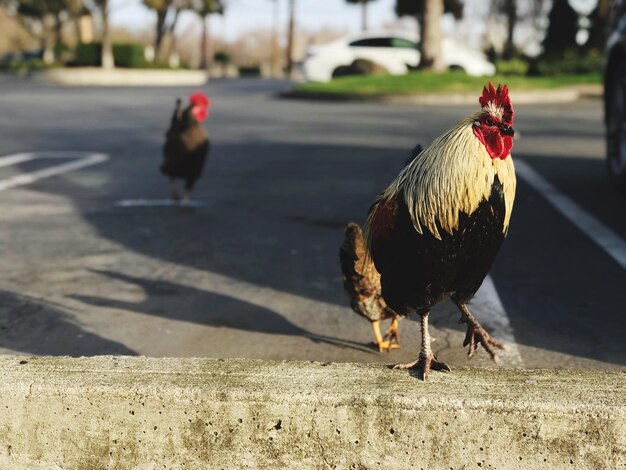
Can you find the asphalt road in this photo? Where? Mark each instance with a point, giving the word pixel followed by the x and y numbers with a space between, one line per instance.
pixel 90 266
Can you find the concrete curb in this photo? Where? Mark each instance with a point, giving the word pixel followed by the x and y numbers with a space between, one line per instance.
pixel 563 95
pixel 119 413
pixel 121 77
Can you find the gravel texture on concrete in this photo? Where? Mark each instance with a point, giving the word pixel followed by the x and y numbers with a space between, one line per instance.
pixel 122 412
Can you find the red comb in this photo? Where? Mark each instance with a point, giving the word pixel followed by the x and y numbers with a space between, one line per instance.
pixel 500 97
pixel 200 99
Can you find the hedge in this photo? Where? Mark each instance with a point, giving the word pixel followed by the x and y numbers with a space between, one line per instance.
pixel 126 55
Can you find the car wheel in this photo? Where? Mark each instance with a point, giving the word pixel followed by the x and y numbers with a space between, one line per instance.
pixel 616 126
pixel 342 71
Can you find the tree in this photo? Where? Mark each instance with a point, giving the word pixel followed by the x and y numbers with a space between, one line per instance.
pixel 363 4
pixel 512 13
pixel 41 18
pixel 509 8
pixel 162 9
pixel 416 8
pixel 562 29
pixel 106 56
pixel 428 14
pixel 75 9
pixel 431 56
pixel 44 20
pixel 274 39
pixel 204 9
pixel 599 18
pixel 177 6
pixel 168 12
pixel 291 26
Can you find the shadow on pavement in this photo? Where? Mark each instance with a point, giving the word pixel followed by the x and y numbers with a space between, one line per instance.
pixel 35 327
pixel 206 308
pixel 561 291
pixel 275 221
pixel 278 218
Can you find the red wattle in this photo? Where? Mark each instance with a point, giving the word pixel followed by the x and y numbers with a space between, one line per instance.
pixel 494 144
pixel 508 145
pixel 497 146
pixel 200 113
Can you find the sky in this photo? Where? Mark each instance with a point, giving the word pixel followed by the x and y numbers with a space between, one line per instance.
pixel 243 15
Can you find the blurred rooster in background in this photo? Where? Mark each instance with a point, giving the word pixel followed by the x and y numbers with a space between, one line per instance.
pixel 434 233
pixel 362 284
pixel 186 144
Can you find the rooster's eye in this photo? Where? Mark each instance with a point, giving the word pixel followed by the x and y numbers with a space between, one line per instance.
pixel 489 122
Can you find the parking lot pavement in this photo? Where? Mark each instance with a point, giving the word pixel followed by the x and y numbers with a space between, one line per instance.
pixel 97 261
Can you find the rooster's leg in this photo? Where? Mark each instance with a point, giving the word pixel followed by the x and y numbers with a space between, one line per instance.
pixel 427 361
pixel 173 190
pixel 383 344
pixel 476 335
pixel 186 199
pixel 187 196
pixel 393 333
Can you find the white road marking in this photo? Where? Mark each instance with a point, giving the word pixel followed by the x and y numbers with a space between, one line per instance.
pixel 79 160
pixel 605 238
pixel 488 309
pixel 160 203
pixel 15 159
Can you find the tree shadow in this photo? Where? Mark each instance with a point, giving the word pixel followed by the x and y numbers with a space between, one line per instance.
pixel 163 299
pixel 35 327
pixel 281 232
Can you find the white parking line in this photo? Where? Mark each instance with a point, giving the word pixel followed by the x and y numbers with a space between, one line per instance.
pixel 15 159
pixel 488 309
pixel 605 238
pixel 126 203
pixel 79 160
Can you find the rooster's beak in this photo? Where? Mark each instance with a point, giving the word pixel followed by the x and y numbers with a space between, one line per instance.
pixel 508 130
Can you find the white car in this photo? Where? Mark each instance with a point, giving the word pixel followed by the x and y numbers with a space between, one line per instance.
pixel 397 52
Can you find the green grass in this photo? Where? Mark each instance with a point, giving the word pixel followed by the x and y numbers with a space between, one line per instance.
pixel 451 82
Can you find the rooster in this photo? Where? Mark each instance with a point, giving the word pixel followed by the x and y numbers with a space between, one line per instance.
pixel 361 282
pixel 434 233
pixel 186 144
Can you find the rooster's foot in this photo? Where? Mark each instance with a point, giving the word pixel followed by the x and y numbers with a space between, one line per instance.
pixel 475 336
pixel 424 365
pixel 387 344
pixel 383 344
pixel 174 195
pixel 392 336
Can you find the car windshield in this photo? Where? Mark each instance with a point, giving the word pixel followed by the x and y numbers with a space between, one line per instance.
pixel 384 42
pixel 401 42
pixel 372 42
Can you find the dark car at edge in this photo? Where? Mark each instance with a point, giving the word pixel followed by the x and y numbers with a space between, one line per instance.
pixel 615 96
